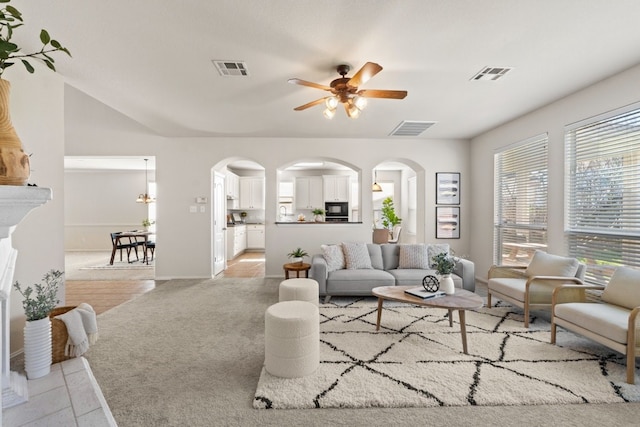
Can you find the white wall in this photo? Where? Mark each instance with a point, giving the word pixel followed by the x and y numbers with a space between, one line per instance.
pixel 184 169
pixel 607 95
pixel 37 115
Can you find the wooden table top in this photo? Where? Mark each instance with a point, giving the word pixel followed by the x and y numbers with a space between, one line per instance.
pixel 297 266
pixel 461 300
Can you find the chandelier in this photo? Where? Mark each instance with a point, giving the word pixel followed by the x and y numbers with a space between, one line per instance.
pixel 376 188
pixel 145 198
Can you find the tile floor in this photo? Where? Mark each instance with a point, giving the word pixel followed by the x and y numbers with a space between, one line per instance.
pixel 68 396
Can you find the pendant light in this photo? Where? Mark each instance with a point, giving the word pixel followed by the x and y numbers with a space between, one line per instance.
pixel 145 198
pixel 376 188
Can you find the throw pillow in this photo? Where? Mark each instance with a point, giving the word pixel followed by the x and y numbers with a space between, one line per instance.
pixel 414 256
pixel 544 264
pixel 356 256
pixel 334 257
pixel 623 288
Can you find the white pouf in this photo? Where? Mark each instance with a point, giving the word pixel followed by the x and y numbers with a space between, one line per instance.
pixel 299 290
pixel 292 339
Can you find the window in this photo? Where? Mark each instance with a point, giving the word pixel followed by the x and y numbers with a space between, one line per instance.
pixel 602 180
pixel 520 201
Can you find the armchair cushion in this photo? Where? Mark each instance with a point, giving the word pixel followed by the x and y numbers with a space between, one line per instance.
pixel 606 320
pixel 544 264
pixel 624 288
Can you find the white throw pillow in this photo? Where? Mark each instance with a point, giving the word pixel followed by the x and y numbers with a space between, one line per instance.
pixel 435 249
pixel 624 288
pixel 414 256
pixel 544 264
pixel 334 257
pixel 356 256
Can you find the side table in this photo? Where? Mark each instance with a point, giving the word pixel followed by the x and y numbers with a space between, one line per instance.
pixel 297 267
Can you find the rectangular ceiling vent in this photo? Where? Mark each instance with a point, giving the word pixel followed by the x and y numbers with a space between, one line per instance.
pixel 491 73
pixel 231 68
pixel 411 128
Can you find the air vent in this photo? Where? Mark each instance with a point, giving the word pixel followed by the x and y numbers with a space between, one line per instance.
pixel 231 68
pixel 409 128
pixel 491 73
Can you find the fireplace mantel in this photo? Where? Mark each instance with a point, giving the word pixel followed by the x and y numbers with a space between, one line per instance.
pixel 15 203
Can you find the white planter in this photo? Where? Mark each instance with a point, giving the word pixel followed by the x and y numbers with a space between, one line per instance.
pixel 37 348
pixel 446 284
pixel 296 260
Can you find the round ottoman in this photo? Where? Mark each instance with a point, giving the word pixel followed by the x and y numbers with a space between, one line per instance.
pixel 291 339
pixel 299 290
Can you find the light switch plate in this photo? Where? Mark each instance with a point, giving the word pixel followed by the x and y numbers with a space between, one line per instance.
pixel 193 209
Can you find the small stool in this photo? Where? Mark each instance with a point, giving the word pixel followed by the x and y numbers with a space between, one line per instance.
pixel 291 339
pixel 299 290
pixel 297 267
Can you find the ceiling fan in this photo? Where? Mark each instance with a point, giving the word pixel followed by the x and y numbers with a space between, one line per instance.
pixel 345 90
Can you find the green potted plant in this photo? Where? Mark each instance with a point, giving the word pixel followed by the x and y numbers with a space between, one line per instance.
pixel 444 264
pixel 16 169
pixel 297 255
pixel 146 223
pixel 38 301
pixel 319 214
pixel 389 217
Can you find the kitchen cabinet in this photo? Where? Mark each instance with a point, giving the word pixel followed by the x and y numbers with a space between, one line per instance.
pixel 251 192
pixel 236 240
pixel 255 236
pixel 309 192
pixel 336 188
pixel 233 186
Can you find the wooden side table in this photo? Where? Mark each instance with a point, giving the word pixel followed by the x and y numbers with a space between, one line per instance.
pixel 297 267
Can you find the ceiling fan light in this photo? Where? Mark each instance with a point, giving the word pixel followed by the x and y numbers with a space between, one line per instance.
pixel 360 102
pixel 353 111
pixel 329 113
pixel 331 102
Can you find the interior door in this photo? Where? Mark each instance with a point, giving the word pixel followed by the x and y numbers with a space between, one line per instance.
pixel 219 223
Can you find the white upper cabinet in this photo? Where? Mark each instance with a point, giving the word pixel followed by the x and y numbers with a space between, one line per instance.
pixel 309 192
pixel 233 185
pixel 251 192
pixel 336 188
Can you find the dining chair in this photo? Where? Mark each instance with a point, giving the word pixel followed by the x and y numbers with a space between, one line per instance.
pixel 120 243
pixel 395 234
pixel 151 246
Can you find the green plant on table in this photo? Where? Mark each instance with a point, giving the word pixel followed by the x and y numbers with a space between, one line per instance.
pixel 298 253
pixel 147 222
pixel 37 306
pixel 10 19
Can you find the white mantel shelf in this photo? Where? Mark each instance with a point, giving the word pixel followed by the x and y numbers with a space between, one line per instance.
pixel 16 202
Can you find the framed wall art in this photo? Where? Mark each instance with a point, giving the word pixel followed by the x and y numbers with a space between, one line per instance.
pixel 447 222
pixel 447 188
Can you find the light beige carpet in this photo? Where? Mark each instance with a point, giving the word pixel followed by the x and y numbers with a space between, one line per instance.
pixel 190 353
pixel 416 360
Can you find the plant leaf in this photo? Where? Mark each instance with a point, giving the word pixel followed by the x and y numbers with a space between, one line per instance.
pixel 44 36
pixel 49 64
pixel 28 66
pixel 13 11
pixel 56 44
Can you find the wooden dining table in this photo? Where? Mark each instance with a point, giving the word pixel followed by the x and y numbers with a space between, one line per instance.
pixel 139 236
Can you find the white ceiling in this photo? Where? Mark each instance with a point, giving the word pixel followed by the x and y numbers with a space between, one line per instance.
pixel 151 60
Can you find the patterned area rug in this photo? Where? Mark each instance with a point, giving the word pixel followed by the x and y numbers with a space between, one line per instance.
pixel 416 360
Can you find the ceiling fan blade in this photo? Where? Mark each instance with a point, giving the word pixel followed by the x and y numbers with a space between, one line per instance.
pixel 310 104
pixel 310 84
pixel 389 94
pixel 367 71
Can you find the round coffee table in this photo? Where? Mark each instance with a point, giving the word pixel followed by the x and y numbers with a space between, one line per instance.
pixel 297 267
pixel 462 300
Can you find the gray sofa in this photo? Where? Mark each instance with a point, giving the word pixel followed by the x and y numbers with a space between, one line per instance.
pixel 385 272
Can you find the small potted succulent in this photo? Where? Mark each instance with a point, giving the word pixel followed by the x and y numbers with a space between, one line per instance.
pixel 297 255
pixel 319 215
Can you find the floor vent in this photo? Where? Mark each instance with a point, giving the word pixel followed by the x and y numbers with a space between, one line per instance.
pixel 491 73
pixel 231 68
pixel 411 128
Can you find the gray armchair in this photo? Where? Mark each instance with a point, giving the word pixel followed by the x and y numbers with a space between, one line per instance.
pixel 531 287
pixel 611 322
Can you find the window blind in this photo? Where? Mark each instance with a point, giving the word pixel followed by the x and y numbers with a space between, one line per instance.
pixel 602 197
pixel 520 201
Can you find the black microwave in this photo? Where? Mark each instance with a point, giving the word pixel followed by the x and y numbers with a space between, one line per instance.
pixel 340 209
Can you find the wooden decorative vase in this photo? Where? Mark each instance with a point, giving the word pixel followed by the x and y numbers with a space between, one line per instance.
pixel 14 162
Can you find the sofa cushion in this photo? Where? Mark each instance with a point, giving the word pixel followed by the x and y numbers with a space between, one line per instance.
pixel 413 276
pixel 352 282
pixel 375 253
pixel 623 288
pixel 390 256
pixel 544 264
pixel 413 256
pixel 334 256
pixel 356 255
pixel 435 249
